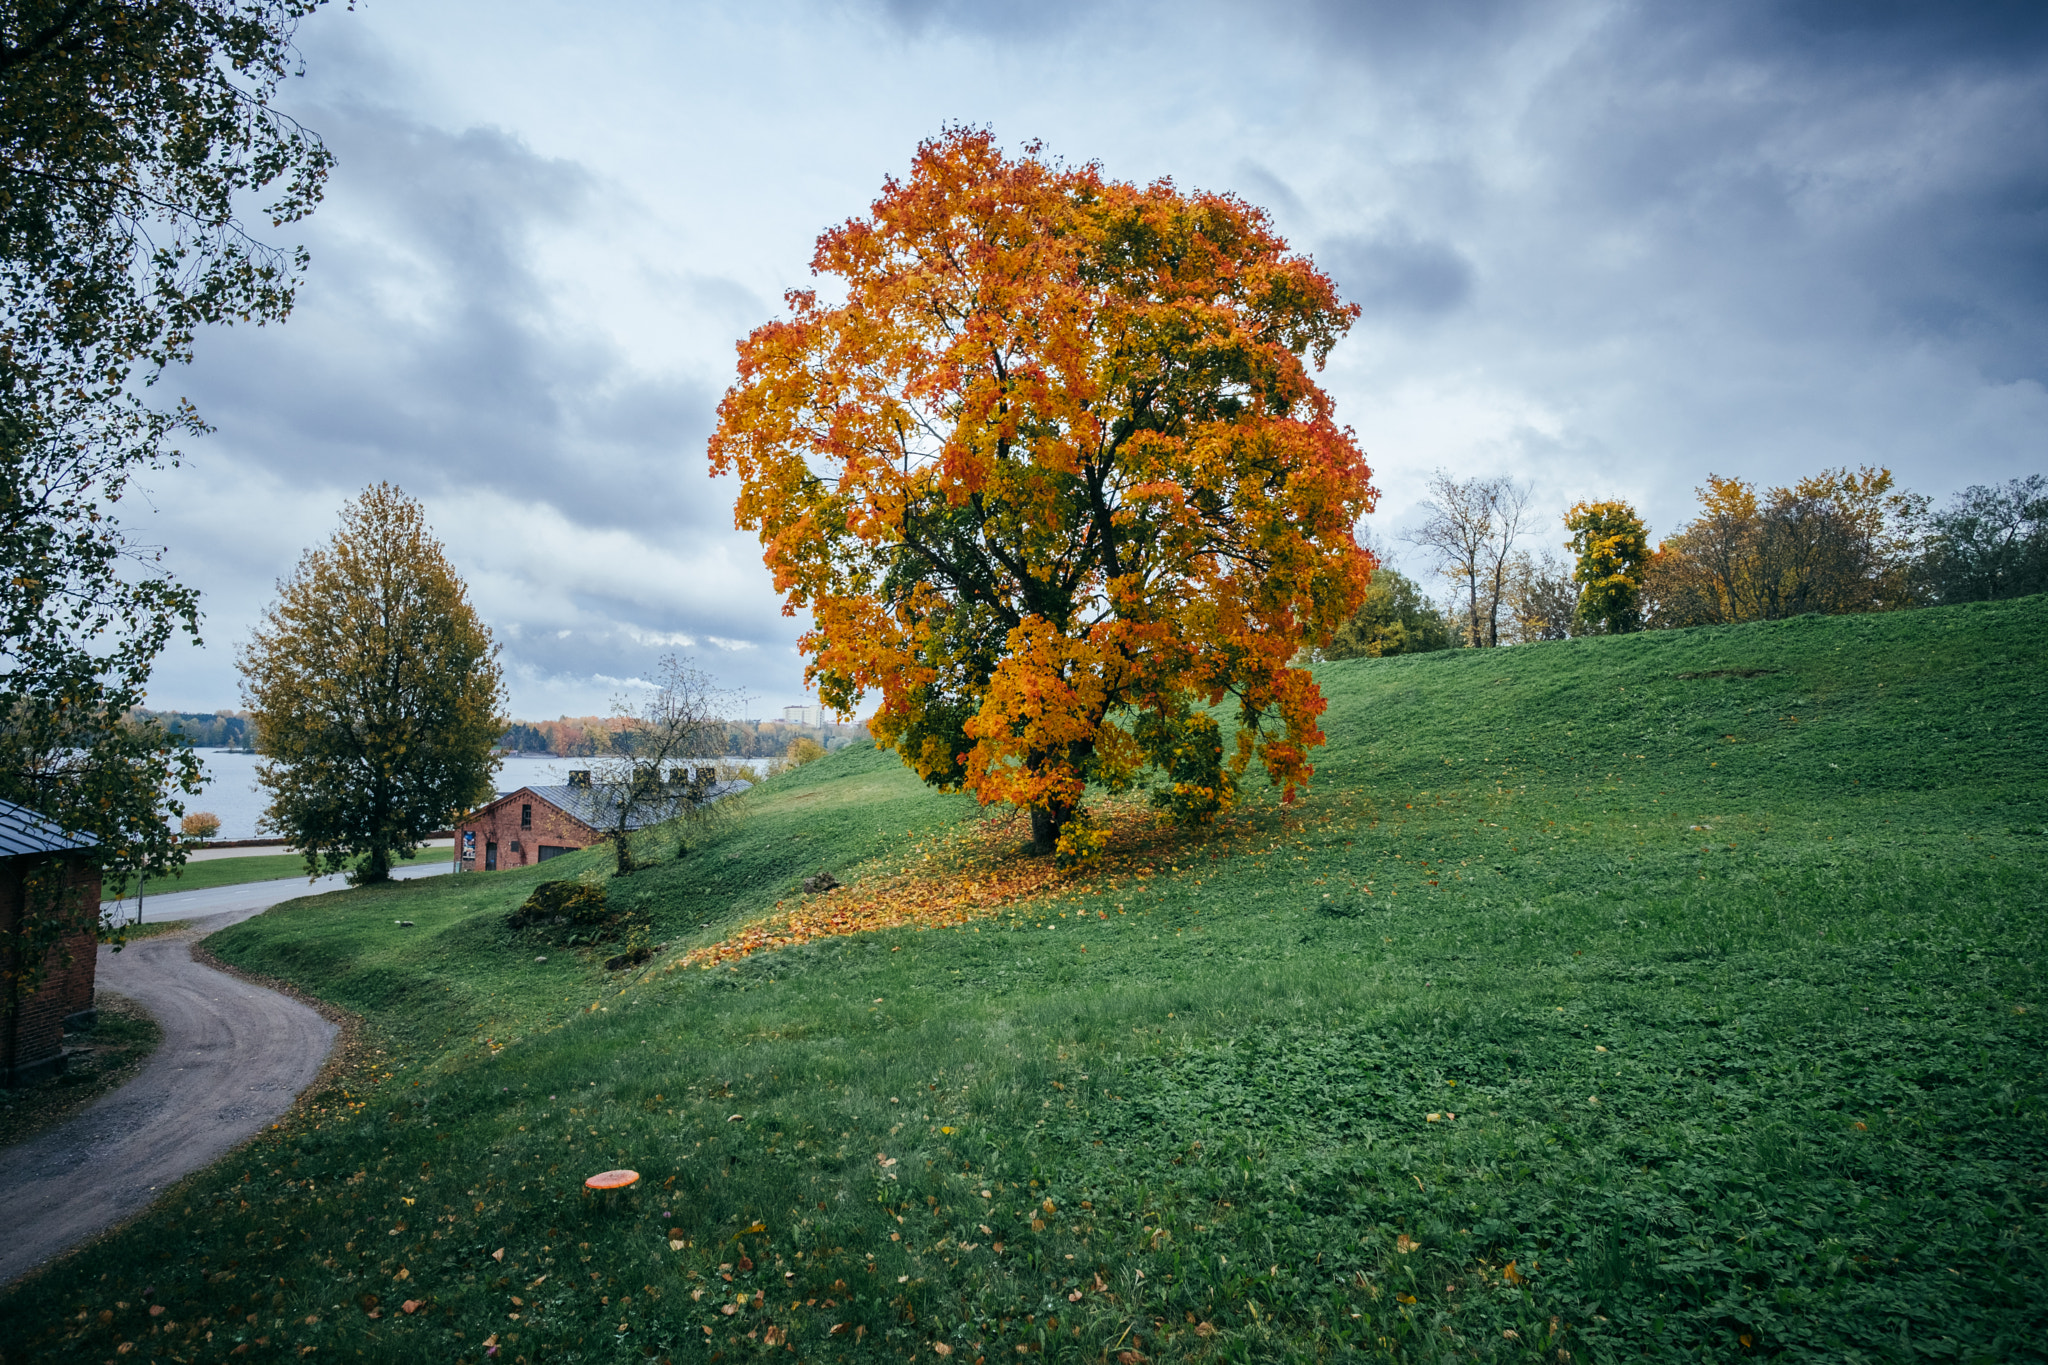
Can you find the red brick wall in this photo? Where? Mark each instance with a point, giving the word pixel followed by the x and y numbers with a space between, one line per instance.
pixel 498 823
pixel 32 1025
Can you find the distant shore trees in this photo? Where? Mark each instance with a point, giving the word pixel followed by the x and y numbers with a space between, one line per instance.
pixel 649 777
pixel 375 690
pixel 592 736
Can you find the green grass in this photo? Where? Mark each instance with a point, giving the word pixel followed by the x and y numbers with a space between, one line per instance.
pixel 208 873
pixel 1732 983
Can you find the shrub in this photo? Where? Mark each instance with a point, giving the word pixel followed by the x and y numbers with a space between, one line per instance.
pixel 200 826
pixel 571 913
pixel 553 903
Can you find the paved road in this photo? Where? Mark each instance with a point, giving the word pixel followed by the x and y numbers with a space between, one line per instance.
pixel 234 1057
pixel 252 896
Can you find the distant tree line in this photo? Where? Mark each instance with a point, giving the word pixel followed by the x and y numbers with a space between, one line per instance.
pixel 1842 541
pixel 606 736
pixel 221 729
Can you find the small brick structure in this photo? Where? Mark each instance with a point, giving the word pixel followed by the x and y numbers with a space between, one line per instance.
pixel 534 824
pixel 37 1007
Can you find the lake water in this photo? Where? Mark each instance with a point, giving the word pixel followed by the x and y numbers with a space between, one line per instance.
pixel 232 794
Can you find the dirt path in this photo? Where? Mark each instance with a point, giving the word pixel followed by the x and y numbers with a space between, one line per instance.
pixel 234 1057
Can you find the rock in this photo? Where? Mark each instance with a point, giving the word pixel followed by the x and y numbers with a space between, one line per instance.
pixel 820 884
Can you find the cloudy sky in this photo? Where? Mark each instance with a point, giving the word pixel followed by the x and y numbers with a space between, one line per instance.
pixel 1605 248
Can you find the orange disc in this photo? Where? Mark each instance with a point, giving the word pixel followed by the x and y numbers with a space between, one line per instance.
pixel 612 1180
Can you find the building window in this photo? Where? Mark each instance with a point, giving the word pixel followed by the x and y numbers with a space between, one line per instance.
pixel 548 851
pixel 525 819
pixel 490 857
pixel 515 845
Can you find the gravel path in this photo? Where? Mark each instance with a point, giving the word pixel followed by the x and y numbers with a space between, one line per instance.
pixel 234 1057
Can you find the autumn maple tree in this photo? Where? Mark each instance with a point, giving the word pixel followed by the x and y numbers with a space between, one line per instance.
pixel 1048 467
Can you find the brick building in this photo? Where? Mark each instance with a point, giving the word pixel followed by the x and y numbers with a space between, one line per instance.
pixel 38 859
pixel 534 824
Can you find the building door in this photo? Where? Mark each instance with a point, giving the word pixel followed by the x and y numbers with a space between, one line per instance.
pixel 490 857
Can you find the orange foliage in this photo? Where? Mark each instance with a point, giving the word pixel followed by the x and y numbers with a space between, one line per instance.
pixel 971 874
pixel 978 871
pixel 1056 462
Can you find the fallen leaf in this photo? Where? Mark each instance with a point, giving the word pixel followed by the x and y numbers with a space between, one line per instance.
pixel 412 1305
pixel 1405 1244
pixel 941 1348
pixel 1509 1273
pixel 498 1255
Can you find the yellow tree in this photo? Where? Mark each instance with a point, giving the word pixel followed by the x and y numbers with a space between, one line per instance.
pixel 1054 477
pixel 1612 546
pixel 1841 541
pixel 374 690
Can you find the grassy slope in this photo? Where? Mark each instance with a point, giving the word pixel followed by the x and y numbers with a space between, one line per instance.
pixel 1778 1077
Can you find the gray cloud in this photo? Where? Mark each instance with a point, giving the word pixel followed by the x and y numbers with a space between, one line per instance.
pixel 1602 245
pixel 427 350
pixel 1394 271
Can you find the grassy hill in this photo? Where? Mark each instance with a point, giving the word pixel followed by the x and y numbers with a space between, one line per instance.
pixel 1674 996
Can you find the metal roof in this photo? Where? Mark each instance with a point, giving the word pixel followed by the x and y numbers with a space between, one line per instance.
pixel 22 831
pixel 598 806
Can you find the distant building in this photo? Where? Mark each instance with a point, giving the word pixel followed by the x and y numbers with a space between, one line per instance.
pixel 803 715
pixel 33 1018
pixel 534 824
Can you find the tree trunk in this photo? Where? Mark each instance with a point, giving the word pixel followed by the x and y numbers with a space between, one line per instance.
pixel 622 845
pixel 376 868
pixel 1045 829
